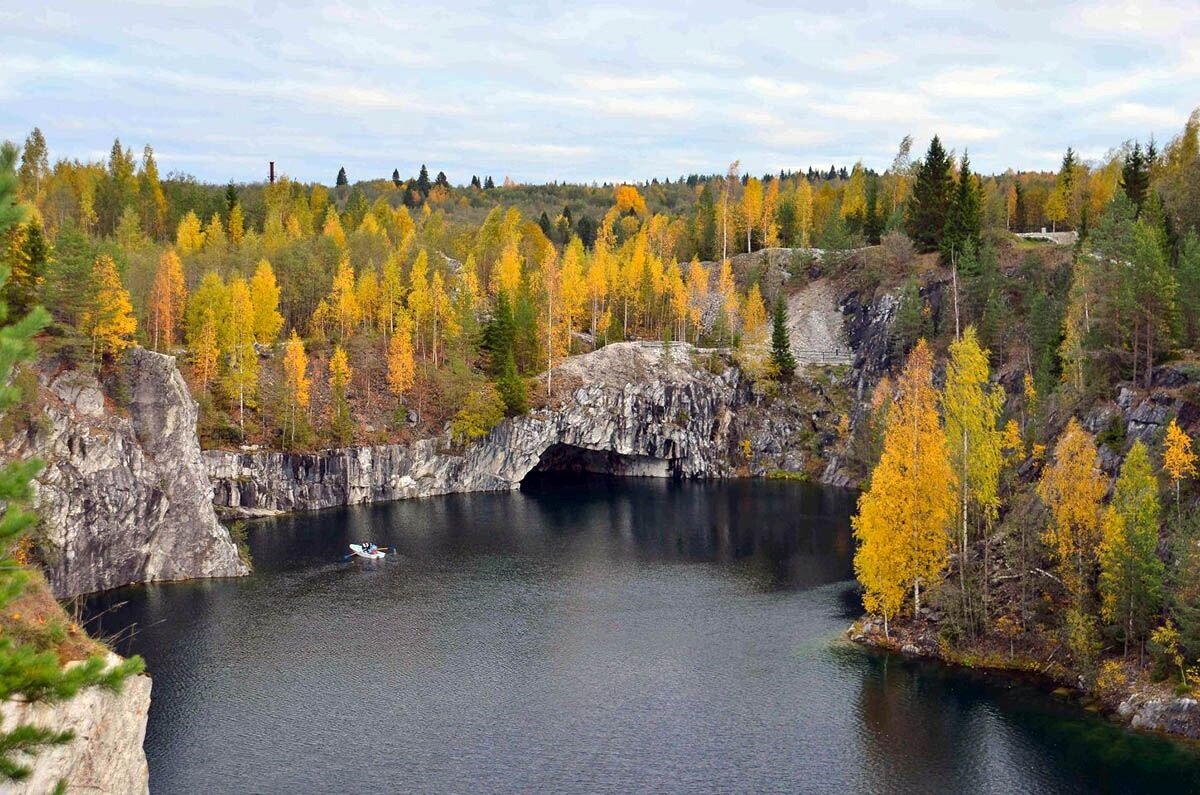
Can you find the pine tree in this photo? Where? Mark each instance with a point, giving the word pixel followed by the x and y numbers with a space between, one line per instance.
pixel 1135 175
pixel 904 517
pixel 781 342
pixel 964 221
pixel 873 221
pixel 1131 574
pixel 932 193
pixel 296 380
pixel 341 426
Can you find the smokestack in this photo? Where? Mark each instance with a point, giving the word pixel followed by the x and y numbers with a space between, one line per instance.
pixel 271 176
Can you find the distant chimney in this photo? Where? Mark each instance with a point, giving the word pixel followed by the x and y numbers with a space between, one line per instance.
pixel 271 176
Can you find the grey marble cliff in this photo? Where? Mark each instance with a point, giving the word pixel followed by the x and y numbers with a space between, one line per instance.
pixel 124 496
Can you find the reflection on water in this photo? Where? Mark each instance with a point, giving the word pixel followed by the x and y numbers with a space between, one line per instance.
pixel 583 636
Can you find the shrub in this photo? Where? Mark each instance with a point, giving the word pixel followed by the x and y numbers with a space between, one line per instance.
pixel 1110 683
pixel 484 408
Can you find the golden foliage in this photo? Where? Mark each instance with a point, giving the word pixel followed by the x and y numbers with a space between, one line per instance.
pixel 1072 488
pixel 168 298
pixel 904 516
pixel 264 295
pixel 109 319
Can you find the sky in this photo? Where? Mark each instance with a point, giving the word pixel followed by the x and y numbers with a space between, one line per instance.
pixel 582 92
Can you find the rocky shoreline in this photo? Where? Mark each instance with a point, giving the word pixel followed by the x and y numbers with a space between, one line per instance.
pixel 1140 705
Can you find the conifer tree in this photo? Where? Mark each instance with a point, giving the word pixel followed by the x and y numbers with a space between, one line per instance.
pixel 341 177
pixel 931 198
pixel 781 342
pixel 964 220
pixel 904 517
pixel 1131 574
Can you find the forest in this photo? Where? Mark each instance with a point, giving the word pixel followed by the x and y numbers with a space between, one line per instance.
pixel 390 309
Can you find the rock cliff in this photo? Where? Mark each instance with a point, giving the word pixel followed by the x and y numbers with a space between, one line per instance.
pixel 124 496
pixel 647 412
pixel 105 757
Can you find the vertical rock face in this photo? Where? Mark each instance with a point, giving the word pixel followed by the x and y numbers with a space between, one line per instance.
pixel 105 757
pixel 124 499
pixel 647 412
pixel 628 408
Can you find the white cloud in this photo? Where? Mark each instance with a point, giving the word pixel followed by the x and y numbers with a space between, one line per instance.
pixel 982 82
pixel 770 88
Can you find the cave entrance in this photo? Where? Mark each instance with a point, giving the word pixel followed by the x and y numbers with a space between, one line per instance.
pixel 565 460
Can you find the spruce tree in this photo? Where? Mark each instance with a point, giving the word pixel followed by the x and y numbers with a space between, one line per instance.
pixel 872 223
pixel 488 184
pixel 396 177
pixel 932 193
pixel 423 184
pixel 442 181
pixel 781 342
pixel 341 177
pixel 964 221
pixel 1135 175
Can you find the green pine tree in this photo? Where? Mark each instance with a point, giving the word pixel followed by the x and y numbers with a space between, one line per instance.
pixel 781 343
pixel 965 220
pixel 931 197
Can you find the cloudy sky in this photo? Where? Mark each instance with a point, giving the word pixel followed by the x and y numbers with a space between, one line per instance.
pixel 580 91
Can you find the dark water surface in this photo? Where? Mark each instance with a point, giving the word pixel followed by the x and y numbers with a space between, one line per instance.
pixel 611 636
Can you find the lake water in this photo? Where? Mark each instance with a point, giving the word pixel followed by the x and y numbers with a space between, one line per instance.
pixel 580 636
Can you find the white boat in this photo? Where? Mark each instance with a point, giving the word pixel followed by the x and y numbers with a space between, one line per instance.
pixel 362 552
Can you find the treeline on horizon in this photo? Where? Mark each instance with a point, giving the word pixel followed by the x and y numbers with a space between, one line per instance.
pixel 418 296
